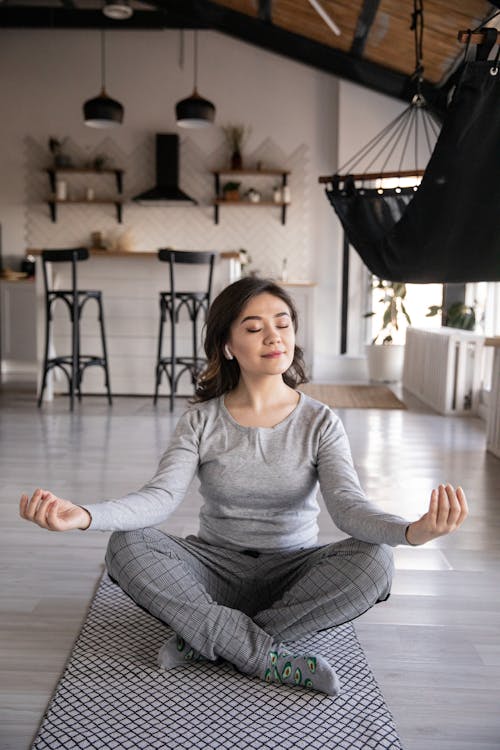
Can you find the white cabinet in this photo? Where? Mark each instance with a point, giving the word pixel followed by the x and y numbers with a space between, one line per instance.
pixel 18 327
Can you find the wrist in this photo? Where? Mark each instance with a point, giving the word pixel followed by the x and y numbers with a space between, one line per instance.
pixel 86 521
pixel 407 536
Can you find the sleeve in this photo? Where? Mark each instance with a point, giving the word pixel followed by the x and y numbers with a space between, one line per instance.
pixel 157 499
pixel 345 500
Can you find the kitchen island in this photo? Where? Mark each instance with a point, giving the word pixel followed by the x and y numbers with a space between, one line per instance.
pixel 130 283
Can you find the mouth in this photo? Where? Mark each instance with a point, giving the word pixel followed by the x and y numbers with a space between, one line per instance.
pixel 273 355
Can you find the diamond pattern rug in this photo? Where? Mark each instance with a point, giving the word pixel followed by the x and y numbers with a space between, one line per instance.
pixel 112 696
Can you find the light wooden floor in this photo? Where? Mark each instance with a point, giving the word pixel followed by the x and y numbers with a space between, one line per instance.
pixel 434 646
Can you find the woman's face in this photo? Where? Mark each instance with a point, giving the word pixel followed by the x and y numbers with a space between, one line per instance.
pixel 262 338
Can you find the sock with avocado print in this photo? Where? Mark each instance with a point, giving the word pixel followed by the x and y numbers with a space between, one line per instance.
pixel 176 652
pixel 302 670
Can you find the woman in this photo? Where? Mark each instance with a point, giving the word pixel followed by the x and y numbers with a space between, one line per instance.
pixel 254 576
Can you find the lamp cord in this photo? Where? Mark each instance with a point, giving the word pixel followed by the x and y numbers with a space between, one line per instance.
pixel 103 62
pixel 196 60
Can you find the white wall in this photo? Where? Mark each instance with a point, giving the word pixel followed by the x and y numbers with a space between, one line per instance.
pixel 300 116
pixel 45 76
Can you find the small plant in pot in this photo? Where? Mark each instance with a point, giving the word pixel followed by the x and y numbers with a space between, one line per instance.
pixel 231 191
pixel 385 358
pixel 60 159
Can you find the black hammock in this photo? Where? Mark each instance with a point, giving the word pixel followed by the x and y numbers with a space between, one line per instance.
pixel 448 231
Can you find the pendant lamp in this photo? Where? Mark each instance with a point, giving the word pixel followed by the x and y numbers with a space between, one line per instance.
pixel 102 111
pixel 118 10
pixel 195 111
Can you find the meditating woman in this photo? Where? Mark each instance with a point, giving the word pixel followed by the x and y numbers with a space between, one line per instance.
pixel 254 575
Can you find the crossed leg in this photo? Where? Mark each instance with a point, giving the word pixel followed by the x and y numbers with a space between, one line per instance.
pixel 211 596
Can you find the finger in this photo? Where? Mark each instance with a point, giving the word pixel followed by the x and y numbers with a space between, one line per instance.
pixel 433 507
pixel 464 508
pixel 23 504
pixel 41 512
pixel 455 507
pixel 443 507
pixel 52 517
pixel 32 504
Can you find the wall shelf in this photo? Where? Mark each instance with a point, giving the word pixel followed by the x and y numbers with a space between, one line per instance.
pixel 282 174
pixel 53 201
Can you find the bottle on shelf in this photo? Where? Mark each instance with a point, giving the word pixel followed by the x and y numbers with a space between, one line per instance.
pixel 61 190
pixel 284 270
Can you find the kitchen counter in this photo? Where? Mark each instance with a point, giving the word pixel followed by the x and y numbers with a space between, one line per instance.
pixel 130 283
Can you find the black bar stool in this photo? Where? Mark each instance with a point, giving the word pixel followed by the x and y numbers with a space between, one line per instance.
pixel 73 365
pixel 171 303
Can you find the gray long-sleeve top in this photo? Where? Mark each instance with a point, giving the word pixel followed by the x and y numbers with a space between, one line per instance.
pixel 259 484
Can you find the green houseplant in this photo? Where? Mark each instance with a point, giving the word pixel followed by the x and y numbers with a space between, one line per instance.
pixel 385 358
pixel 231 191
pixel 458 315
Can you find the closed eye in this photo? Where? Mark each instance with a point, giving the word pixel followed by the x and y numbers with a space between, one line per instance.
pixel 256 330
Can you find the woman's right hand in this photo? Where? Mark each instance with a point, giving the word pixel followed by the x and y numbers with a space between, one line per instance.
pixel 53 513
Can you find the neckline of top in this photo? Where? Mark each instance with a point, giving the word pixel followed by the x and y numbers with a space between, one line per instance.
pixel 245 428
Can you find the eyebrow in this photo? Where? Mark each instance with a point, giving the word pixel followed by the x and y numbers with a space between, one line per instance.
pixel 258 317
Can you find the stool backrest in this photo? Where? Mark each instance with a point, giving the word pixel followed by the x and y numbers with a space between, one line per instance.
pixel 73 255
pixel 196 257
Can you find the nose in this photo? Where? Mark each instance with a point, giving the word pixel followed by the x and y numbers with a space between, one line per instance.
pixel 272 335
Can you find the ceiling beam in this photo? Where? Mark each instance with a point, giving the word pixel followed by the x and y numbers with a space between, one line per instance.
pixel 265 11
pixel 365 20
pixel 67 17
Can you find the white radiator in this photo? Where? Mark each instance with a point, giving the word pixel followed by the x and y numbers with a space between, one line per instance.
pixel 443 368
pixel 493 438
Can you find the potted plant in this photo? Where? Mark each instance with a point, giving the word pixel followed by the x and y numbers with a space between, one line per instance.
pixel 59 157
pixel 236 135
pixel 458 315
pixel 385 358
pixel 231 191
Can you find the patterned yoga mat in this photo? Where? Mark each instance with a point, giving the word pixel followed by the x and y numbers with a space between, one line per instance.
pixel 112 696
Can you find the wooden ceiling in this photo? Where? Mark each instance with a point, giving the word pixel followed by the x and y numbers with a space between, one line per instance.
pixel 376 46
pixel 389 41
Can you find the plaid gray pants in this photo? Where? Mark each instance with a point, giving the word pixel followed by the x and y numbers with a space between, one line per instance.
pixel 236 605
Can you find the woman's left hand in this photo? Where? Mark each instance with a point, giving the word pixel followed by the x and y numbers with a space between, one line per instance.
pixel 447 511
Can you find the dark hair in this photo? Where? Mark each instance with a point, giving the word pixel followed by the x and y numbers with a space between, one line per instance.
pixel 220 374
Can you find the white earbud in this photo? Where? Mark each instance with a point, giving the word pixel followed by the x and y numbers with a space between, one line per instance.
pixel 227 352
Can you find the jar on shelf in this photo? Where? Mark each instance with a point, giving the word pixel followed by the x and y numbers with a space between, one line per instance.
pixel 277 195
pixel 61 190
pixel 284 270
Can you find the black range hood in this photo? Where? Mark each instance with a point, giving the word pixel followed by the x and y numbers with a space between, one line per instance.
pixel 166 192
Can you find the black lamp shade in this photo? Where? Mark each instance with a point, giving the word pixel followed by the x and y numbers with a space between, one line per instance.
pixel 194 112
pixel 102 112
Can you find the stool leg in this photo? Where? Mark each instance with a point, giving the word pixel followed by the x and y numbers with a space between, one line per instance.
pixel 173 316
pixel 46 354
pixel 194 372
pixel 79 370
pixel 158 358
pixel 75 365
pixel 195 334
pixel 104 349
